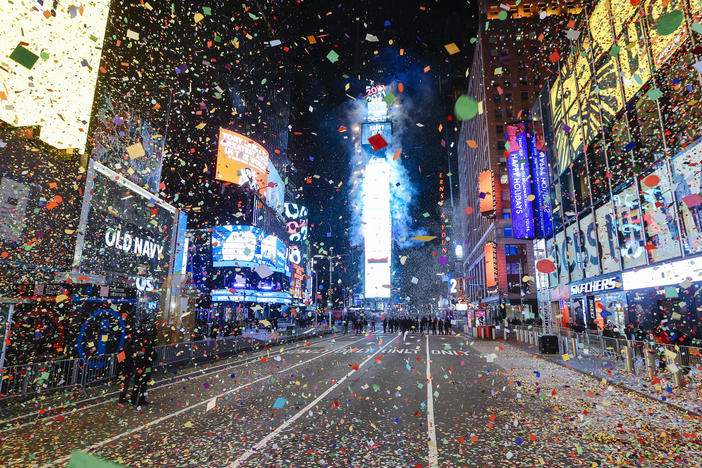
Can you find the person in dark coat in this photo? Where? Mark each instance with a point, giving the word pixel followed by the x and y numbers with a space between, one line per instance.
pixel 126 369
pixel 144 361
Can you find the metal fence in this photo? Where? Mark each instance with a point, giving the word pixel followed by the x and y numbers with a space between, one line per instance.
pixel 25 380
pixel 635 357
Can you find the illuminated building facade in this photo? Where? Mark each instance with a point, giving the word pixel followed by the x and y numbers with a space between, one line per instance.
pixel 509 63
pixel 622 122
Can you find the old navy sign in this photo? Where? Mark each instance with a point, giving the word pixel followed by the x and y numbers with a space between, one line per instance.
pixel 596 286
pixel 520 182
pixel 542 180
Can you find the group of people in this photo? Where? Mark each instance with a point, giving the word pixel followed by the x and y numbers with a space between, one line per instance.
pixel 415 325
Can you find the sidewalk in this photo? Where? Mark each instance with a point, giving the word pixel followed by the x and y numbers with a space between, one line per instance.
pixel 688 398
pixel 13 413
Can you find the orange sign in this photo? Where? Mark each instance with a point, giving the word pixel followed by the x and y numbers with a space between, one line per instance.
pixel 487 190
pixel 490 265
pixel 242 161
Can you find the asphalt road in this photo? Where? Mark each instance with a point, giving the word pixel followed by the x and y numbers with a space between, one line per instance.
pixel 368 400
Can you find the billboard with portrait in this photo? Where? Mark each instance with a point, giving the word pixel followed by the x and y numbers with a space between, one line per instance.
pixel 242 161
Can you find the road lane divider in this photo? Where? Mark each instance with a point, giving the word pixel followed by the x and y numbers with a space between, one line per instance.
pixel 263 442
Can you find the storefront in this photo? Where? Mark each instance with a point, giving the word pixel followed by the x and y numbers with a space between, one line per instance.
pixel 668 295
pixel 598 301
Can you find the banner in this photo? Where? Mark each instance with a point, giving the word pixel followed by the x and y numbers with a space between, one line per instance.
pixel 520 182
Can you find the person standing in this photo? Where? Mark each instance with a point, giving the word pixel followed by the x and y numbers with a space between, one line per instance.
pixel 126 369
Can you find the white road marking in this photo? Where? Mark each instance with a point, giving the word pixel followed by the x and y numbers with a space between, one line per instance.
pixel 108 397
pixel 262 443
pixel 431 428
pixel 181 411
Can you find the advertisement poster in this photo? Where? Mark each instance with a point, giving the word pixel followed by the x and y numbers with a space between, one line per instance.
pixel 607 237
pixel 520 182
pixel 275 191
pixel 236 246
pixel 590 255
pixel 561 262
pixel 659 215
pixel 573 252
pixel 630 227
pixel 242 161
pixel 687 183
pixel 542 182
pixel 123 228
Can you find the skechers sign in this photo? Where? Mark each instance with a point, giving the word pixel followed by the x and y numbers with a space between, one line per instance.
pixel 132 244
pixel 601 285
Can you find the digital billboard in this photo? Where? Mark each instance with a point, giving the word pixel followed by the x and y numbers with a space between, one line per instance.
pixel 486 185
pixel 490 265
pixel 542 182
pixel 275 191
pixel 296 225
pixel 377 229
pixel 520 182
pixel 123 228
pixel 236 246
pixel 50 61
pixel 242 161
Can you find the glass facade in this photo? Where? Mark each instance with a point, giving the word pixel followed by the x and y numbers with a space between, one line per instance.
pixel 621 118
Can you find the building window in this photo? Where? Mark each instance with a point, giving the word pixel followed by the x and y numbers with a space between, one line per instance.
pixel 508 231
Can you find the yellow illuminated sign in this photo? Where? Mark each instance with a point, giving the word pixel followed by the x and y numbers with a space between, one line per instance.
pixel 633 60
pixel 663 47
pixel 600 29
pixel 49 65
pixel 622 11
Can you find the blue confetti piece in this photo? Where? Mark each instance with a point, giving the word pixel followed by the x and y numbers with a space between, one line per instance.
pixel 279 403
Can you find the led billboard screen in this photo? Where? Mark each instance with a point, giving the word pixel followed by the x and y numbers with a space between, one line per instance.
pixel 542 183
pixel 50 66
pixel 486 185
pixel 520 182
pixel 247 246
pixel 377 229
pixel 236 246
pixel 242 161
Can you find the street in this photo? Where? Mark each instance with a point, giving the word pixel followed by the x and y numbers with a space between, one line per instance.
pixel 365 400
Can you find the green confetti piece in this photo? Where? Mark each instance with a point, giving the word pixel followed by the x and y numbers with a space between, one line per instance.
pixel 24 57
pixel 654 94
pixel 465 108
pixel 669 23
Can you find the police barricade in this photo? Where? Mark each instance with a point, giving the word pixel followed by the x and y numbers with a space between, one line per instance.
pixel 27 379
